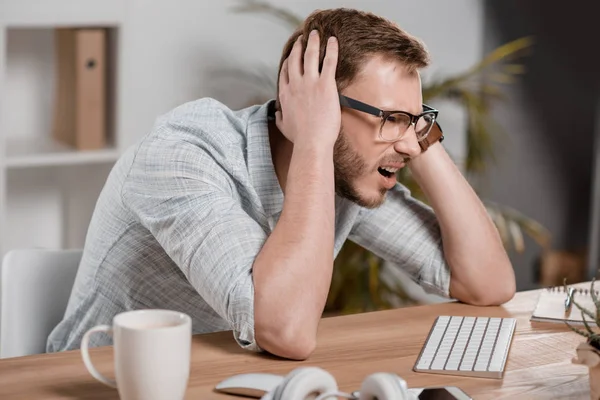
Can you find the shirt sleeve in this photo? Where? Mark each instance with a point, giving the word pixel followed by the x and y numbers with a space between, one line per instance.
pixel 190 206
pixel 405 232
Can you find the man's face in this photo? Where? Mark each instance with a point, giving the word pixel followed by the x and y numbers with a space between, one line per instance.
pixel 361 157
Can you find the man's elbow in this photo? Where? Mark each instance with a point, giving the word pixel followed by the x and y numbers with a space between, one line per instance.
pixel 494 294
pixel 496 297
pixel 286 342
pixel 503 291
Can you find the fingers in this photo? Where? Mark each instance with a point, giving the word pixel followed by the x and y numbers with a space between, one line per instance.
pixel 284 78
pixel 295 69
pixel 331 58
pixel 294 64
pixel 283 82
pixel 311 56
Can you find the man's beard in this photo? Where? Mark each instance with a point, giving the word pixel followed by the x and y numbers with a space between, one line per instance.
pixel 348 167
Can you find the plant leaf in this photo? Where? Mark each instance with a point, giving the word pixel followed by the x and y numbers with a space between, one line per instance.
pixel 517 235
pixel 282 14
pixel 587 326
pixel 578 331
pixel 516 69
pixel 505 51
pixel 502 78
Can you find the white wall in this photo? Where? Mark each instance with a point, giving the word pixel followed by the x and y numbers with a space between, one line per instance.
pixel 171 52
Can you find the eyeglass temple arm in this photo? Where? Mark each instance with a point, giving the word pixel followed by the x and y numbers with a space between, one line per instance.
pixel 359 105
pixel 429 108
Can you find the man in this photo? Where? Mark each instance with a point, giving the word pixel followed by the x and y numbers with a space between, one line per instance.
pixel 235 217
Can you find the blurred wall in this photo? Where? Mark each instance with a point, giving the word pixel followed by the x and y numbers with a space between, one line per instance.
pixel 545 162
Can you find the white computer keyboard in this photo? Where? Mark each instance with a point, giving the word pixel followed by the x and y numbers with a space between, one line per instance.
pixel 467 346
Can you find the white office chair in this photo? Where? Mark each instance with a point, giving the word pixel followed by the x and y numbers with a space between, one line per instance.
pixel 35 288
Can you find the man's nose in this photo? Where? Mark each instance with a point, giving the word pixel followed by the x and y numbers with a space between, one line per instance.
pixel 408 144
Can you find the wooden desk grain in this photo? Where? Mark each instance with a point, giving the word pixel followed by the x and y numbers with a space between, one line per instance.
pixel 350 347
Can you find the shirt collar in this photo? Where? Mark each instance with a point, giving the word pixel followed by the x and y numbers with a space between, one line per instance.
pixel 260 162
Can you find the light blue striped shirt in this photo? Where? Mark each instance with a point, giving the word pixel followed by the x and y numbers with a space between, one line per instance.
pixel 184 213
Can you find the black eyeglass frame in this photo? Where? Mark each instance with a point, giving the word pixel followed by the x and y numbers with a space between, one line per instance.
pixel 354 104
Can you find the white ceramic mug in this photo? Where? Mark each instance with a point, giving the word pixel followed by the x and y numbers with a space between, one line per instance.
pixel 152 354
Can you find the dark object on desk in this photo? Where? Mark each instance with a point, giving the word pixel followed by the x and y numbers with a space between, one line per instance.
pixel 442 393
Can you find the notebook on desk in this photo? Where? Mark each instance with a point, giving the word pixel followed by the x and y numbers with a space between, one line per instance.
pixel 551 306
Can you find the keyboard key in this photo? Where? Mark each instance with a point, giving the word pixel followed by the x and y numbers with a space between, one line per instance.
pixel 460 344
pixel 501 349
pixel 439 361
pixel 433 342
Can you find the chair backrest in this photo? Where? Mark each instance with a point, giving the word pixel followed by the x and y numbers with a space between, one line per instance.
pixel 35 289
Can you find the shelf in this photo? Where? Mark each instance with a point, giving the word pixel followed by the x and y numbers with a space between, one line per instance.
pixel 61 12
pixel 36 152
pixel 29 88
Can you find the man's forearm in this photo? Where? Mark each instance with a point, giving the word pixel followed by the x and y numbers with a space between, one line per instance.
pixel 292 273
pixel 481 270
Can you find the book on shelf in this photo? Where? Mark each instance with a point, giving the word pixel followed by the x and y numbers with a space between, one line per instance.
pixel 80 101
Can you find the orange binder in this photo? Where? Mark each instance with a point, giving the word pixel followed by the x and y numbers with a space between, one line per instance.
pixel 80 102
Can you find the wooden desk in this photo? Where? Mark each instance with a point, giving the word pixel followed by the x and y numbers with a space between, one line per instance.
pixel 350 347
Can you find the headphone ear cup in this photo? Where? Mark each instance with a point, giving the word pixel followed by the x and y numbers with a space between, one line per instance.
pixel 384 386
pixel 305 381
pixel 267 396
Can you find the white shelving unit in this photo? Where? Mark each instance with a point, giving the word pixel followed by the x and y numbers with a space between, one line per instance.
pixel 32 153
pixel 48 189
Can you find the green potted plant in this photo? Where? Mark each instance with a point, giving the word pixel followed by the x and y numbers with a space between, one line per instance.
pixel 360 281
pixel 588 351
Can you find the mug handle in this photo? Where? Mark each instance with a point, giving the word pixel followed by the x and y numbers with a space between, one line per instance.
pixel 86 355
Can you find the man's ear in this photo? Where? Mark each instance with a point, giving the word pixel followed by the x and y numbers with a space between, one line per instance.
pixel 272 108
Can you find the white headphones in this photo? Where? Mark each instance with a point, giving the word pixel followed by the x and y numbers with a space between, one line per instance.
pixel 315 383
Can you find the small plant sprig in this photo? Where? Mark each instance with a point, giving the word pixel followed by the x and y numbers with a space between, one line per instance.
pixel 592 336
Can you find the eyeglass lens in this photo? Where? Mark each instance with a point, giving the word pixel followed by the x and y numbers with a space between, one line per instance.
pixel 396 125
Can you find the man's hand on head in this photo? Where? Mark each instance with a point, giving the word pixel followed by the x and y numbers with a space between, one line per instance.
pixel 310 110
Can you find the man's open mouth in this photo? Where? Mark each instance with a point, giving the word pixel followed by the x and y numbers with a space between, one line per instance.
pixel 387 171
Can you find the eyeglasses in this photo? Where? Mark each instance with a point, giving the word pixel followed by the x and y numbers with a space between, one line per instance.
pixel 394 124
